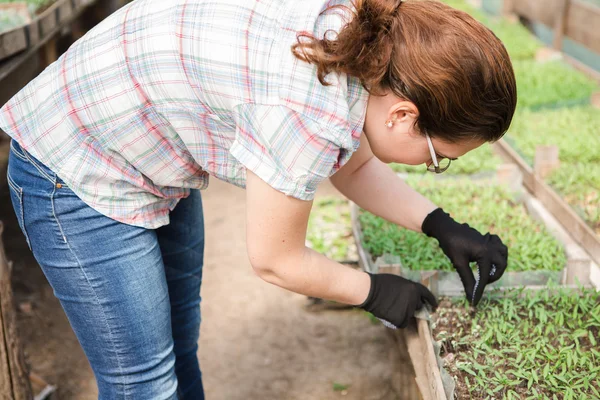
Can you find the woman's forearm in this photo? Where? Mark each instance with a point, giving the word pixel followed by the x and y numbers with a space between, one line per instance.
pixel 313 274
pixel 377 189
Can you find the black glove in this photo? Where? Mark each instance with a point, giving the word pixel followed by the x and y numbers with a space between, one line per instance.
pixel 394 299
pixel 463 244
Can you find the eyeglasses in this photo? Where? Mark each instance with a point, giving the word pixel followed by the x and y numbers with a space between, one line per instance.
pixel 438 166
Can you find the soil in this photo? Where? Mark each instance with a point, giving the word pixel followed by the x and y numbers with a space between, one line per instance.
pixel 257 341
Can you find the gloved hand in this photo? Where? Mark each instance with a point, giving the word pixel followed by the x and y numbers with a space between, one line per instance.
pixel 394 299
pixel 463 244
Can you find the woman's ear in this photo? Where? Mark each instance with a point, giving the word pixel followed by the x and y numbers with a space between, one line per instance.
pixel 402 112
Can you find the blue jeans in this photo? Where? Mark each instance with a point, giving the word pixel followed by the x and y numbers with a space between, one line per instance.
pixel 132 295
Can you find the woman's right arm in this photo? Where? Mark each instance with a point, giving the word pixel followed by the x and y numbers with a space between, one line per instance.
pixel 276 232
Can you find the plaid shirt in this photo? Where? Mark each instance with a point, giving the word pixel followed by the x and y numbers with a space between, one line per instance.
pixel 162 94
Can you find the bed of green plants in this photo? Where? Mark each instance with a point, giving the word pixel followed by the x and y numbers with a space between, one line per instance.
pixel 575 131
pixel 486 208
pixel 551 84
pixel 480 160
pixel 523 345
pixel 330 229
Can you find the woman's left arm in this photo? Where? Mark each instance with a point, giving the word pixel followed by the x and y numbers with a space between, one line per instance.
pixel 376 188
pixel 373 186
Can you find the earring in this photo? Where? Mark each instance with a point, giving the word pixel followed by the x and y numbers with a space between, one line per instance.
pixel 389 123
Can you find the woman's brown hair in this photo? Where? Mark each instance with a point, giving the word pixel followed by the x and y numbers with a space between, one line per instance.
pixel 454 69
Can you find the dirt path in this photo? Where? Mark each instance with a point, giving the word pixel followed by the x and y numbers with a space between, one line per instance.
pixel 257 340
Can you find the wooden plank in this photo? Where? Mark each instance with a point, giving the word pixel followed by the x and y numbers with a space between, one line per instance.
pixel 416 353
pixel 65 9
pixel 403 377
pixel 582 24
pixel 560 24
pixel 434 377
pixel 419 341
pixel 557 206
pixel 539 11
pixel 48 20
pixel 508 7
pixel 509 154
pixel 14 378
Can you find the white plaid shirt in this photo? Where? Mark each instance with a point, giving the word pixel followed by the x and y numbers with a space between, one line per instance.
pixel 162 94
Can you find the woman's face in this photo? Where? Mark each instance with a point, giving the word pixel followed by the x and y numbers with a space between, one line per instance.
pixel 402 143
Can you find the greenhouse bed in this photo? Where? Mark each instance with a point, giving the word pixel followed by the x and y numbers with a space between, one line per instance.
pixel 447 283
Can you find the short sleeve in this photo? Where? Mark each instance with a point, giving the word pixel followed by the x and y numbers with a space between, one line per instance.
pixel 289 151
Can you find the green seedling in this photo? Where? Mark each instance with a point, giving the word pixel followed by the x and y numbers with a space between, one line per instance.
pixel 338 387
pixel 551 84
pixel 575 131
pixel 524 344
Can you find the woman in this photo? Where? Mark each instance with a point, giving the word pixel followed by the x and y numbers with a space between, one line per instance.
pixel 112 142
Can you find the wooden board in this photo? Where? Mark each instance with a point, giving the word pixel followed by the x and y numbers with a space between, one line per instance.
pixel 51 18
pixel 581 22
pixel 558 207
pixel 419 341
pixel 14 380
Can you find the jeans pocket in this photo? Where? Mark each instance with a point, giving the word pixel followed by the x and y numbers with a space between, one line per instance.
pixel 16 197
